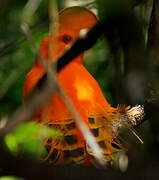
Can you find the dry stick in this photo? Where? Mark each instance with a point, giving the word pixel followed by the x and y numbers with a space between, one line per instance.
pixel 35 102
pixel 31 7
pixel 28 11
pixel 53 28
pixel 26 31
pixel 90 139
pixel 88 42
pixel 37 97
pixel 27 110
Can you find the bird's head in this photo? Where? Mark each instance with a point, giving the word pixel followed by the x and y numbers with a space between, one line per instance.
pixel 72 22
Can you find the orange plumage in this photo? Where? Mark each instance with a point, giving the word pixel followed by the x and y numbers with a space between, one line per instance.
pixel 84 92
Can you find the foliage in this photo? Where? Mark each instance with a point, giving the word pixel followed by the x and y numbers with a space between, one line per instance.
pixel 27 138
pixel 17 57
pixel 9 178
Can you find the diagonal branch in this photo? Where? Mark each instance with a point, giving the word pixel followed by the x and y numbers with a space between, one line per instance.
pixel 48 86
pixel 90 139
pixel 44 91
pixel 41 93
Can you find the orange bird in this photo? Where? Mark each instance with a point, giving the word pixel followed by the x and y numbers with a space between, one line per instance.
pixel 85 94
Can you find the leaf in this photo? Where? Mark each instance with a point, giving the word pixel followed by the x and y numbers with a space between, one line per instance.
pixel 10 178
pixel 28 137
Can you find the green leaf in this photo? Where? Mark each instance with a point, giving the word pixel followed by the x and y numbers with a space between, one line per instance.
pixel 28 138
pixel 10 178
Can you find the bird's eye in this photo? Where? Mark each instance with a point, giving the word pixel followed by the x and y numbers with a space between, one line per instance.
pixel 66 39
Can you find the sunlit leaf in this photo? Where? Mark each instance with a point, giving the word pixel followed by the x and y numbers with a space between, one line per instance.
pixel 10 178
pixel 28 137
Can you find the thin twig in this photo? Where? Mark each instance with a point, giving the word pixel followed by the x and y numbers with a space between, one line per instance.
pixel 32 170
pixel 31 7
pixel 37 97
pixel 90 139
pixel 53 28
pixel 26 111
pixel 26 31
pixel 34 104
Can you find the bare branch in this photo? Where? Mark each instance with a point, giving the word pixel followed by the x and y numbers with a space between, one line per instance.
pixel 53 27
pixel 26 111
pixel 90 139
pixel 34 101
pixel 48 89
pixel 31 7
pixel 34 170
pixel 26 31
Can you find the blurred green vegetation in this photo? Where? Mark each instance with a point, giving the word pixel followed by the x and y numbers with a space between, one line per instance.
pixel 17 55
pixel 16 59
pixel 9 178
pixel 28 137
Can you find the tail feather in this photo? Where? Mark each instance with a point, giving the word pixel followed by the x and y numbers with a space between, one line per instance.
pixel 71 148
